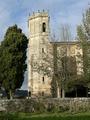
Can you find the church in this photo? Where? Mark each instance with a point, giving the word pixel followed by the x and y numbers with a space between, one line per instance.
pixel 40 43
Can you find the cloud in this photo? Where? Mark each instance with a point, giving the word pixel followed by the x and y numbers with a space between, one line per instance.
pixel 69 13
pixel 61 11
pixel 4 17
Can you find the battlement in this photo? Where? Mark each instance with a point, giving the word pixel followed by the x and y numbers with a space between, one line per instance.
pixel 38 14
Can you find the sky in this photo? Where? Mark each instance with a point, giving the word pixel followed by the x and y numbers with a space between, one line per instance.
pixel 60 12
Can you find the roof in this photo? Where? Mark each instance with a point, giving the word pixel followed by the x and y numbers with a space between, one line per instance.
pixel 64 42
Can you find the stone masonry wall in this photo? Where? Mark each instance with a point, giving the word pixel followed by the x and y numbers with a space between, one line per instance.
pixel 45 105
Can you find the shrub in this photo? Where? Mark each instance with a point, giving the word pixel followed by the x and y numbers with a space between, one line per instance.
pixel 63 108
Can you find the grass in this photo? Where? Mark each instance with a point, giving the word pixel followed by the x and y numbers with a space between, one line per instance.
pixel 45 116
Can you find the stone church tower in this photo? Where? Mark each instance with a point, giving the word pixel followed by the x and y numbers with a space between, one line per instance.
pixel 39 84
pixel 38 25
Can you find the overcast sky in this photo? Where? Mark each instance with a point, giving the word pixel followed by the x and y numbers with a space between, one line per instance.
pixel 60 11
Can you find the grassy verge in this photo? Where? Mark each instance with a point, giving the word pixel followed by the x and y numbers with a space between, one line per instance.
pixel 48 116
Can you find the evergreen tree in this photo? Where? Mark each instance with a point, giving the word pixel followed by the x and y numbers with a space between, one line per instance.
pixel 13 59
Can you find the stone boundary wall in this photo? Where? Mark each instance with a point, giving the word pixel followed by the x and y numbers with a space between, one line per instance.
pixel 45 105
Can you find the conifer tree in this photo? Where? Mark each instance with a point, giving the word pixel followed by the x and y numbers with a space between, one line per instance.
pixel 13 59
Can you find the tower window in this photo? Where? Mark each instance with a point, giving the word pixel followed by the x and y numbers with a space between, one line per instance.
pixel 42 50
pixel 44 27
pixel 42 93
pixel 43 79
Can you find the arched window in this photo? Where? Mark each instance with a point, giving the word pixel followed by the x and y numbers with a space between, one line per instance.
pixel 44 27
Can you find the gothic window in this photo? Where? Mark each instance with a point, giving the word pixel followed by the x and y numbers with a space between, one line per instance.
pixel 44 27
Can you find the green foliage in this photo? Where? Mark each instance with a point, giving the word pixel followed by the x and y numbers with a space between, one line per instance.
pixel 75 82
pixel 63 108
pixel 12 59
pixel 9 116
pixel 83 32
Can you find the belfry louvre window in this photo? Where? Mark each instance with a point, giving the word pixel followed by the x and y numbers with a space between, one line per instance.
pixel 44 27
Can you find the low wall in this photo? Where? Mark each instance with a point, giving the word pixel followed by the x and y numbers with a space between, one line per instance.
pixel 46 105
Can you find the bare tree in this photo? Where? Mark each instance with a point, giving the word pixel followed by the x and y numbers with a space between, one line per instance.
pixel 56 63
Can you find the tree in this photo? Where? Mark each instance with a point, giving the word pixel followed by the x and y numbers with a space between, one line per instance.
pixel 64 60
pixel 54 64
pixel 65 34
pixel 13 59
pixel 83 32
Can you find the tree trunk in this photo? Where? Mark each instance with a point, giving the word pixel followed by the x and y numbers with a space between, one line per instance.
pixel 86 91
pixel 11 94
pixel 58 92
pixel 76 92
pixel 63 93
